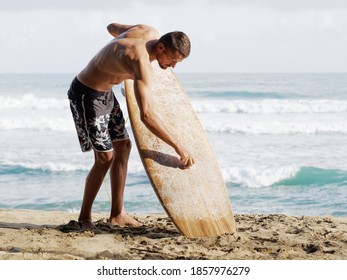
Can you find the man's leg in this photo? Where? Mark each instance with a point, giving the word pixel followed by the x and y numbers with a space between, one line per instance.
pixel 94 180
pixel 118 173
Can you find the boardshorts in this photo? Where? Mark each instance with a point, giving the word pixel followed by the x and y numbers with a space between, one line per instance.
pixel 98 117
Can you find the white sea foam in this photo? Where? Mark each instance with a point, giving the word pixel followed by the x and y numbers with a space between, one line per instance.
pixel 264 106
pixel 257 177
pixel 252 126
pixel 270 106
pixel 136 169
pixel 47 166
pixel 37 123
pixel 30 101
pixel 278 128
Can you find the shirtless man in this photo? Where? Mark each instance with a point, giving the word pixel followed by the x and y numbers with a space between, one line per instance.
pixel 99 120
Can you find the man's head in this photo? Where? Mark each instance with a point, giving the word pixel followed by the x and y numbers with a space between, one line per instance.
pixel 176 41
pixel 171 48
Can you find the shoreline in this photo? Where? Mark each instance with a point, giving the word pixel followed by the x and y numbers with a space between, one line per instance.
pixel 54 235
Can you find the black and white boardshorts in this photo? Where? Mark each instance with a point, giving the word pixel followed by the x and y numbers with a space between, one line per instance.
pixel 98 117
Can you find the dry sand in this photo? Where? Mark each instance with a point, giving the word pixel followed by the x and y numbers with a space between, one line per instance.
pixel 55 235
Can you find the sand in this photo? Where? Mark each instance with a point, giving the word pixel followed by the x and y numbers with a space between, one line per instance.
pixel 37 235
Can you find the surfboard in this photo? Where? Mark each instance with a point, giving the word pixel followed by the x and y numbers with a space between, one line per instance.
pixel 196 199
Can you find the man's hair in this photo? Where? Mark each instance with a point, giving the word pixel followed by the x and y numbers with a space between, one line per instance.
pixel 176 41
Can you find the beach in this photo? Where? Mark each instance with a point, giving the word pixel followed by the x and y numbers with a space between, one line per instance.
pixel 55 235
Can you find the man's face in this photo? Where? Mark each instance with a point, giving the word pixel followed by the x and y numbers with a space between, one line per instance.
pixel 169 58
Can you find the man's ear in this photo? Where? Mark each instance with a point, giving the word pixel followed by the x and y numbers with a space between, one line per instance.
pixel 160 48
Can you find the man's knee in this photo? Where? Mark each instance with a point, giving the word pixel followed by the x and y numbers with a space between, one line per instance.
pixel 104 158
pixel 127 145
pixel 123 146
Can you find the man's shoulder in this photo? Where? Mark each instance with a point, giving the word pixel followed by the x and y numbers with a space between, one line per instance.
pixel 129 49
pixel 145 27
pixel 143 31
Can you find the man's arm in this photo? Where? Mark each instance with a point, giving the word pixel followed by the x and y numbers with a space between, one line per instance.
pixel 142 89
pixel 115 29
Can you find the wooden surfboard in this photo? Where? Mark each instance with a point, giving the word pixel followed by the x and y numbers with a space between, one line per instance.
pixel 196 199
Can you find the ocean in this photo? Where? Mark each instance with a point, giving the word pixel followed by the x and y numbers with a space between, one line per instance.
pixel 280 141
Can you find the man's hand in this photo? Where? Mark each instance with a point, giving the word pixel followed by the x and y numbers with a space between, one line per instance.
pixel 185 157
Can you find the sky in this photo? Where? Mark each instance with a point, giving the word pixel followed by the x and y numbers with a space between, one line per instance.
pixel 234 36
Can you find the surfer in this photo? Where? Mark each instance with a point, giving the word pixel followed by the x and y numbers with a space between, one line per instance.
pixel 99 120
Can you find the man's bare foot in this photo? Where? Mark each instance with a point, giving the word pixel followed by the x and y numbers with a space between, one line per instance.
pixel 124 220
pixel 88 225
